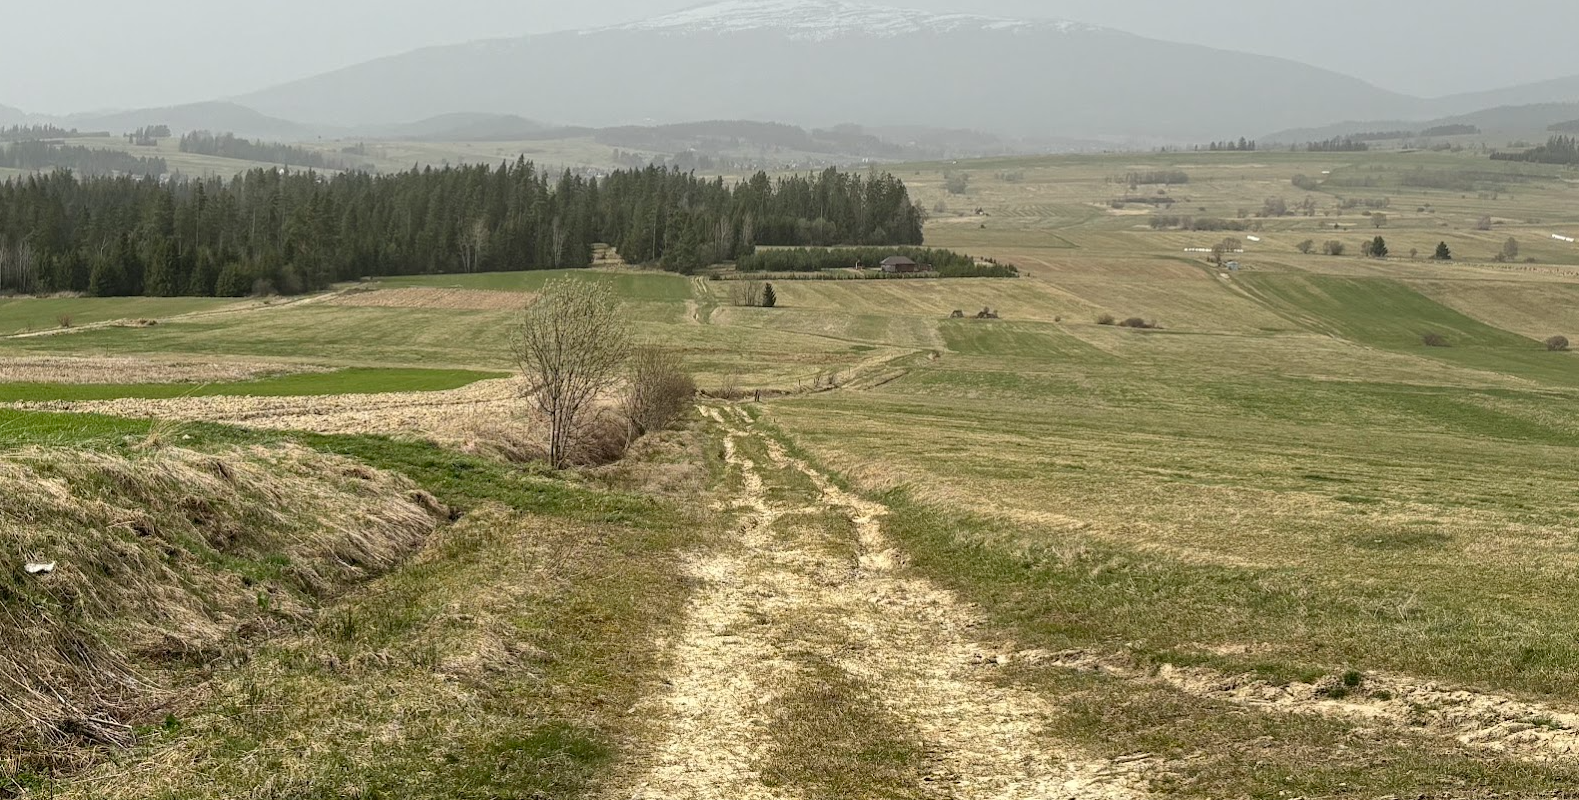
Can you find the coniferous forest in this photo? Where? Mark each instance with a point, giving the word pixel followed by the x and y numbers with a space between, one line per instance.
pixel 273 230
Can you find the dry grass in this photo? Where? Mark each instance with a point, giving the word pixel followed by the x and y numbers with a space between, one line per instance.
pixel 105 370
pixel 502 661
pixel 165 561
pixel 434 298
pixel 483 410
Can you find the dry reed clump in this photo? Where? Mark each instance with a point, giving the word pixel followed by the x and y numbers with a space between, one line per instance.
pixel 166 560
pixel 84 370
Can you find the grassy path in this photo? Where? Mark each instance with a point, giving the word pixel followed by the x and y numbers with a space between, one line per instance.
pixel 812 665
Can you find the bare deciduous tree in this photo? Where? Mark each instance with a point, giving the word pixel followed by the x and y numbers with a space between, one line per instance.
pixel 572 345
pixel 18 268
pixel 558 238
pixel 474 242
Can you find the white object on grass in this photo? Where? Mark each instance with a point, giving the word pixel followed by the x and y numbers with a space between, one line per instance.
pixel 34 568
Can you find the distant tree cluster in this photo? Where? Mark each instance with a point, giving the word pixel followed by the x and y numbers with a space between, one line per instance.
pixel 1572 126
pixel 1163 177
pixel 1557 150
pixel 148 135
pixel 1170 221
pixel 1242 146
pixel 1338 144
pixel 1451 130
pixel 1306 182
pixel 43 156
pixel 228 145
pixel 1382 136
pixel 269 230
pixel 31 133
pixel 946 263
pixel 685 223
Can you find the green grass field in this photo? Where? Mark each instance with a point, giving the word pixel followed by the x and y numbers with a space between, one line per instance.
pixel 1282 485
pixel 30 315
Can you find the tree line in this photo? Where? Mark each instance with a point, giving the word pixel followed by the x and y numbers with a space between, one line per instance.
pixel 276 230
pixel 1338 144
pixel 36 155
pixel 29 133
pixel 228 145
pixel 1557 150
pixel 945 263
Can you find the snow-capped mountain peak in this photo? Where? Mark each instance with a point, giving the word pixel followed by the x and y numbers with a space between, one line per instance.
pixel 820 20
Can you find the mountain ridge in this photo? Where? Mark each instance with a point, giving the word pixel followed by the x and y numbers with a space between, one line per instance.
pixel 781 62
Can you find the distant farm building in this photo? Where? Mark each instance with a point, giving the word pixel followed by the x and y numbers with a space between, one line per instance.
pixel 899 265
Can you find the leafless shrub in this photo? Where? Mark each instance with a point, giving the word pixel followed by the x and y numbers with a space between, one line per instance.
pixel 746 294
pixel 1557 344
pixel 1138 324
pixel 1106 319
pixel 1435 340
pixel 660 390
pixel 64 320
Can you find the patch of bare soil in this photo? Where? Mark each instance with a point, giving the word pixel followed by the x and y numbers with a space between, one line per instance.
pixel 434 298
pixel 1505 725
pixel 461 416
pixel 789 583
pixel 79 370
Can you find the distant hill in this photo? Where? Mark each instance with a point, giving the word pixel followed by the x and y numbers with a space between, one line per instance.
pixel 819 63
pixel 214 116
pixel 460 127
pixel 1499 122
pixel 1543 93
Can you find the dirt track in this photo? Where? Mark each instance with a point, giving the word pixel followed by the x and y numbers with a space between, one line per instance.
pixel 785 584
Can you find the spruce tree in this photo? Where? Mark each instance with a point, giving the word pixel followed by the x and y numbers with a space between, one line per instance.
pixel 1379 248
pixel 770 298
pixel 1443 253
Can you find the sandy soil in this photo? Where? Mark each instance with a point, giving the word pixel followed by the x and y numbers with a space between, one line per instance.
pixel 1505 725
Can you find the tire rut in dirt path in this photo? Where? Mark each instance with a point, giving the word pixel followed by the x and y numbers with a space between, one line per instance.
pixel 775 592
pixel 1503 725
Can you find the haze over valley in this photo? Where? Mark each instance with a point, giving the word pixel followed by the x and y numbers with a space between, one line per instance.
pixel 789 400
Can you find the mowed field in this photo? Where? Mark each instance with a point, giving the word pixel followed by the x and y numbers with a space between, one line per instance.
pixel 1276 547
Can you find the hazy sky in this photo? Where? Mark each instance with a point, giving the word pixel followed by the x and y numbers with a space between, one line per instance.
pixel 96 54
